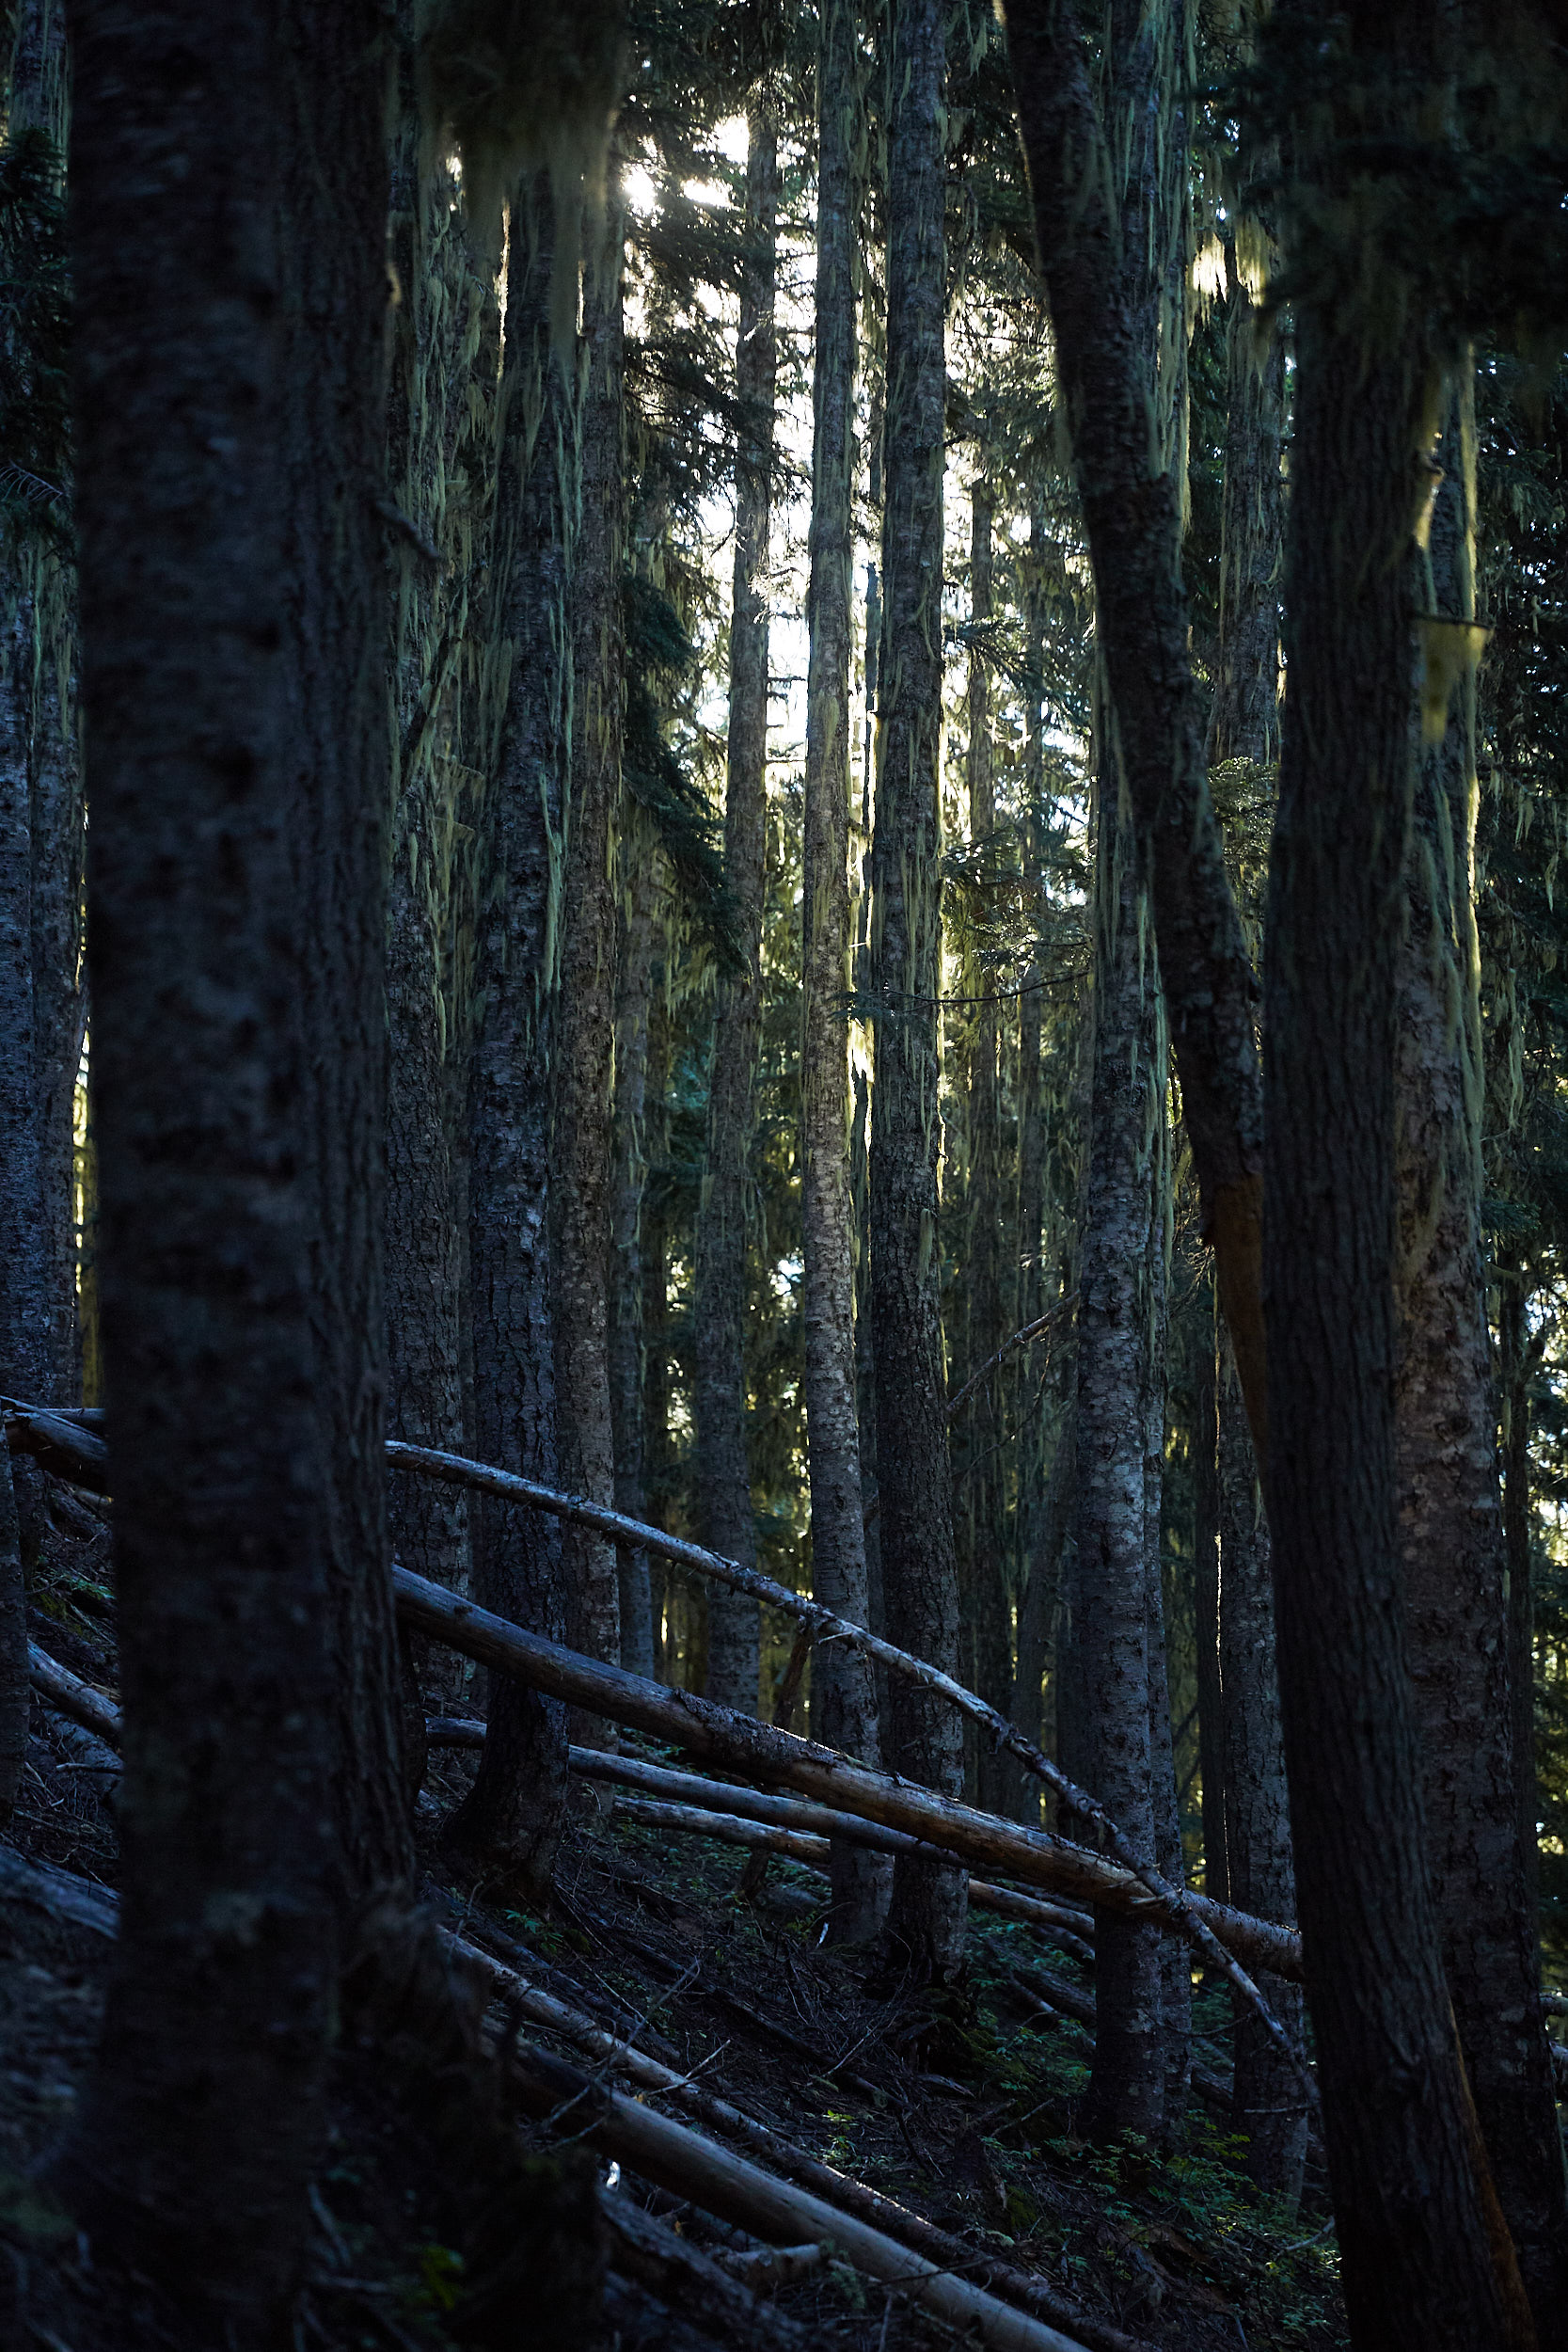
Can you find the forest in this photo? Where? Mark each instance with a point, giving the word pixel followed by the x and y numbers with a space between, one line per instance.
pixel 784 1175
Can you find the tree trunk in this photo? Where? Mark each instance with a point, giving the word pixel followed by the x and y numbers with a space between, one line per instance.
pixel 510 1818
pixel 1110 1599
pixel 1427 2262
pixel 986 1602
pixel 724 1478
pixel 1452 1542
pixel 633 1004
pixel 15 1688
pixel 1245 722
pixel 926 1924
pixel 1093 216
pixel 1259 1876
pixel 844 1693
pixel 1176 1966
pixel 1206 1602
pixel 585 1005
pixel 229 222
pixel 423 1243
pixel 1520 1358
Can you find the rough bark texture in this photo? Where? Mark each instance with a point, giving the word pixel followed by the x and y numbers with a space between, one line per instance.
pixel 1176 1966
pixel 723 1477
pixel 584 1025
pixel 511 1817
pixel 980 1518
pixel 1245 722
pixel 1092 223
pixel 423 1241
pixel 844 1694
pixel 1520 1358
pixel 919 1570
pixel 633 1007
pixel 1406 2164
pixel 230 195
pixel 1451 1541
pixel 15 1690
pixel 1110 1600
pixel 1260 1875
pixel 1206 1603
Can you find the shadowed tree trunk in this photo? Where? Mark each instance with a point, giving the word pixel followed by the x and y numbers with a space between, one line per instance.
pixel 15 1689
pixel 1426 2260
pixel 1096 186
pixel 1451 1541
pixel 510 1818
pixel 1269 2105
pixel 987 1662
pixel 1255 1818
pixel 423 1243
pixel 229 193
pixel 633 1006
pixel 1112 1673
pixel 1520 1361
pixel 844 1693
pixel 921 1739
pixel 1206 1602
pixel 1176 1966
pixel 724 1478
pixel 585 1005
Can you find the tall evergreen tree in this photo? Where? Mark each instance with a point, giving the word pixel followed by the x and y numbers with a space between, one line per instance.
pixel 926 1923
pixel 229 262
pixel 843 1697
pixel 723 1476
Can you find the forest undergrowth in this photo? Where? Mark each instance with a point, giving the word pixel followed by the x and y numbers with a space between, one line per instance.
pixel 654 1935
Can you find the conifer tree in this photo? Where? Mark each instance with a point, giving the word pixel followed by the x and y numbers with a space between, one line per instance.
pixel 926 1924
pixel 843 1697
pixel 723 1477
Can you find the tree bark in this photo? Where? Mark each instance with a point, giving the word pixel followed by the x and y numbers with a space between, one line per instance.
pixel 980 1521
pixel 1110 1597
pixel 1452 1549
pixel 510 1818
pixel 1093 219
pixel 585 1004
pixel 723 1477
pixel 1260 1876
pixel 926 1923
pixel 844 1693
pixel 1206 1602
pixel 229 188
pixel 1427 2262
pixel 1520 1358
pixel 633 1008
pixel 15 1684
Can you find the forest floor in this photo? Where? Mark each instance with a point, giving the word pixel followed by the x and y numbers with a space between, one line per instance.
pixel 1174 2248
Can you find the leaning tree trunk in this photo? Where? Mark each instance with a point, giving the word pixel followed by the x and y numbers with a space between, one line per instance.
pixel 844 1693
pixel 229 195
pixel 1426 2260
pixel 585 1005
pixel 1111 1747
pixel 510 1820
pixel 921 1739
pixel 986 1602
pixel 1452 1538
pixel 723 1479
pixel 1094 224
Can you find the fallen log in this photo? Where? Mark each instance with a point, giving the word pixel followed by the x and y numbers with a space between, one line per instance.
pixel 718 2294
pixel 63 1893
pixel 1177 1905
pixel 677 2158
pixel 70 1695
pixel 722 1736
pixel 836 2188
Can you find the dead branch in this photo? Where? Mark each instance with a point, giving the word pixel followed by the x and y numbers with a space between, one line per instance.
pixel 1177 1904
pixel 718 2294
pixel 60 1892
pixel 836 2188
pixel 71 1696
pixel 1037 1857
pixel 1035 1330
pixel 721 2183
